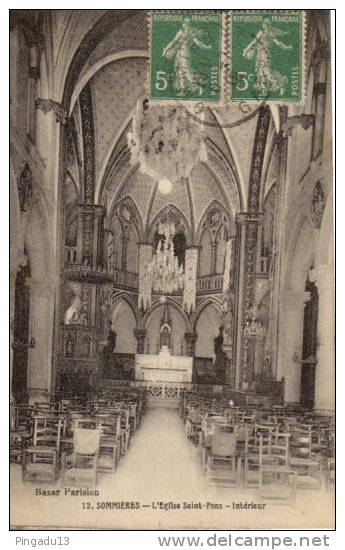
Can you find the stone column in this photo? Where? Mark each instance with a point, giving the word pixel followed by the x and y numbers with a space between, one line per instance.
pixel 39 376
pixel 13 275
pixel 325 368
pixel 291 342
pixel 124 253
pixel 287 154
pixel 190 338
pixel 246 240
pixel 50 133
pixel 140 337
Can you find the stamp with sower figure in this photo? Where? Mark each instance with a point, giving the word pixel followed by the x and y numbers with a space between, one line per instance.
pixel 267 54
pixel 185 55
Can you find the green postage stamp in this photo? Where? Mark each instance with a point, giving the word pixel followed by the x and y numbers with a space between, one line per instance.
pixel 185 55
pixel 267 55
pixel 229 56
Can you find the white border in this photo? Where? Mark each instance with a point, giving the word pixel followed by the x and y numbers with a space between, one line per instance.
pixel 148 540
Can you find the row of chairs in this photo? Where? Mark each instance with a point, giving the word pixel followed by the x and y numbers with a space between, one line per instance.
pixel 77 439
pixel 256 448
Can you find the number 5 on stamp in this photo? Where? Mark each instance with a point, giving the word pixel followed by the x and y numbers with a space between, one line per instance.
pixel 185 56
pixel 267 54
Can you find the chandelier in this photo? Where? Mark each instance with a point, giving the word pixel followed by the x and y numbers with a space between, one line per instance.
pixel 166 143
pixel 253 329
pixel 165 274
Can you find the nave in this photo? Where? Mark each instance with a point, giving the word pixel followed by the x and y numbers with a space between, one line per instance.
pixel 192 258
pixel 162 465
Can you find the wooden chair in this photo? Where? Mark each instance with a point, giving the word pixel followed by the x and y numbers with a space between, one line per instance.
pixel 269 470
pixel 193 423
pixel 308 470
pixel 80 468
pixel 40 460
pixel 110 445
pixel 222 462
pixel 264 450
pixel 21 431
pixel 19 440
pixel 133 417
pixel 255 449
pixel 208 425
pixel 280 443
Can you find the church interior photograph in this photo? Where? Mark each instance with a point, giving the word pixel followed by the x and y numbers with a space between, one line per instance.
pixel 171 285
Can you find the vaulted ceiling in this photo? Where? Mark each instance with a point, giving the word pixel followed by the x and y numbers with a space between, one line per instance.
pixel 115 72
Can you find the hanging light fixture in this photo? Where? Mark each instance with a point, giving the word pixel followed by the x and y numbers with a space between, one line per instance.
pixel 166 143
pixel 164 272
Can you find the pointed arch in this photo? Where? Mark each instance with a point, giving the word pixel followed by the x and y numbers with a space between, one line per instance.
pixel 133 209
pixel 124 297
pixel 206 326
pixel 211 300
pixel 119 155
pixel 171 303
pixel 205 254
pixel 214 205
pixel 132 249
pixel 106 23
pixel 124 323
pixel 170 208
pixel 116 56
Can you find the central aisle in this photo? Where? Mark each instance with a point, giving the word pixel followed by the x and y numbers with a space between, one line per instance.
pixel 162 465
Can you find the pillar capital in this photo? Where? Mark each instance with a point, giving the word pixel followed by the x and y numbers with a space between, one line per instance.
pixel 48 105
pixel 248 217
pixel 19 261
pixel 321 276
pixel 139 333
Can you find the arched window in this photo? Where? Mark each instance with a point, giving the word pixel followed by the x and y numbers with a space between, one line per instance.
pixel 117 242
pixel 205 254
pixel 179 241
pixel 222 237
pixel 132 250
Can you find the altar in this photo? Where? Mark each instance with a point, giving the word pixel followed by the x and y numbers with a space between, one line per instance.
pixel 163 367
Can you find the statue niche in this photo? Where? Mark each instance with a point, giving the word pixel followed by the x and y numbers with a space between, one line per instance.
pixel 165 333
pixel 165 330
pixel 74 313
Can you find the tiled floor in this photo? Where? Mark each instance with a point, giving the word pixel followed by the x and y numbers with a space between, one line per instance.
pixel 161 466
